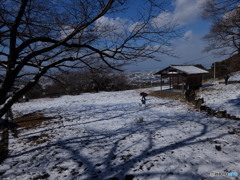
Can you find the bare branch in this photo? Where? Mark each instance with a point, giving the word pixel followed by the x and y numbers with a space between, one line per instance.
pixel 224 36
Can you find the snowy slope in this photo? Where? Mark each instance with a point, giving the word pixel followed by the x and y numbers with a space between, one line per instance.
pixel 224 97
pixel 100 136
pixel 235 76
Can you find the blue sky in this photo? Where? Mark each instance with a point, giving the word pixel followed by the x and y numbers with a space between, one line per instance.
pixel 189 48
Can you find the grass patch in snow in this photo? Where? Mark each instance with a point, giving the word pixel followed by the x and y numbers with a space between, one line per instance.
pixel 167 94
pixel 27 122
pixel 30 121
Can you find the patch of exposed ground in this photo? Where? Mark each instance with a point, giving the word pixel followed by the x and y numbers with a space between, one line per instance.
pixel 30 121
pixel 167 94
pixel 175 96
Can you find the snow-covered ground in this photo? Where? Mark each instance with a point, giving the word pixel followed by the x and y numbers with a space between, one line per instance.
pixel 102 136
pixel 235 76
pixel 224 97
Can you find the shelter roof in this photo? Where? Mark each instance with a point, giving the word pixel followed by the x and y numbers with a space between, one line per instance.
pixel 186 69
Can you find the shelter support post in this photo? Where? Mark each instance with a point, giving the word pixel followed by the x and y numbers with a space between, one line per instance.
pixel 161 82
pixel 170 82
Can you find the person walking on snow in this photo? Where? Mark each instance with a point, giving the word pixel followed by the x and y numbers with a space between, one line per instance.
pixel 143 94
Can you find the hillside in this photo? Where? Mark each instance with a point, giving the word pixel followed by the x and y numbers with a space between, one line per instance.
pixel 223 97
pixel 227 66
pixel 110 135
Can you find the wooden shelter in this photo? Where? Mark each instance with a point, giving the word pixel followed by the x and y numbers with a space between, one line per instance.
pixel 183 76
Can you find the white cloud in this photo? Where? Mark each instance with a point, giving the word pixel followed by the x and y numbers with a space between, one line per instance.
pixel 185 12
pixel 189 51
pixel 110 27
pixel 138 26
pixel 162 20
pixel 66 31
pixel 188 35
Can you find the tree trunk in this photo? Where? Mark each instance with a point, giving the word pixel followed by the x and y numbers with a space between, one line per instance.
pixel 3 140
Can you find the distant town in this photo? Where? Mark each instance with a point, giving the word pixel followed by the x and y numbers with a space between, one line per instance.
pixel 143 78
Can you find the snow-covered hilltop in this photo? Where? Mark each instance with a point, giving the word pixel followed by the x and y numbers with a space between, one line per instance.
pixel 110 135
pixel 224 97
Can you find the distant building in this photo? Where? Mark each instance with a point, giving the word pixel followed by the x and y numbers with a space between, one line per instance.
pixel 183 76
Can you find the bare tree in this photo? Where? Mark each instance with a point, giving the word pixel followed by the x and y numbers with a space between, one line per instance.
pixel 38 36
pixel 224 36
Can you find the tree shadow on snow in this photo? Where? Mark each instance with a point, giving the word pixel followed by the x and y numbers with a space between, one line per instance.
pixel 235 102
pixel 112 155
pixel 91 109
